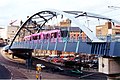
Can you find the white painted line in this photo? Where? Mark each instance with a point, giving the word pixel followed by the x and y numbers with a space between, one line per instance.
pixel 87 75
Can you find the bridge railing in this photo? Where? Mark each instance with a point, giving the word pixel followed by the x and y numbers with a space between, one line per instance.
pixel 77 46
pixel 112 38
pixel 33 44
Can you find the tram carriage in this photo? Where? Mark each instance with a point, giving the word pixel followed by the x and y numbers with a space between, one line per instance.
pixel 27 38
pixel 52 35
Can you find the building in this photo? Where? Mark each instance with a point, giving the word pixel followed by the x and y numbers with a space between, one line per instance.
pixel 65 23
pixel 3 33
pixel 103 30
pixel 116 30
pixel 11 31
pixel 107 28
pixel 73 32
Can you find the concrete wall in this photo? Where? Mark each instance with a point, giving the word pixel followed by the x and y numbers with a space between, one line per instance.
pixel 109 65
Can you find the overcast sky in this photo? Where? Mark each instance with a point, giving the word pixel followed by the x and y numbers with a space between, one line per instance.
pixel 19 9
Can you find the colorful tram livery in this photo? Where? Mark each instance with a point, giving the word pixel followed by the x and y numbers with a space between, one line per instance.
pixel 52 35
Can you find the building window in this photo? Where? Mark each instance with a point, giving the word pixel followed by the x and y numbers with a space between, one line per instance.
pixel 12 31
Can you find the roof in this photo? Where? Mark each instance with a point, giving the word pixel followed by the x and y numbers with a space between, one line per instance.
pixel 117 26
pixel 2 28
pixel 75 29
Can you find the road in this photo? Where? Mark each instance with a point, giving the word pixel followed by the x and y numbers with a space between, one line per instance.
pixel 4 73
pixel 7 70
pixel 22 74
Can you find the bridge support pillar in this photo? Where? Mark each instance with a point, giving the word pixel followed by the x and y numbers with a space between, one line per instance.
pixel 110 66
pixel 11 52
pixel 29 60
pixel 13 56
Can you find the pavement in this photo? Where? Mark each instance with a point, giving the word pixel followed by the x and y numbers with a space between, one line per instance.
pixel 31 74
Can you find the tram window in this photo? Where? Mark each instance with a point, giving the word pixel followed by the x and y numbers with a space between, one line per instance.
pixel 52 35
pixel 74 34
pixel 59 35
pixel 39 36
pixel 34 37
pixel 27 39
pixel 55 35
pixel 47 36
pixel 30 38
pixel 43 36
pixel 64 33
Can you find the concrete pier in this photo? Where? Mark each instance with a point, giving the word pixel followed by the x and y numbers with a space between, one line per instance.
pixel 110 66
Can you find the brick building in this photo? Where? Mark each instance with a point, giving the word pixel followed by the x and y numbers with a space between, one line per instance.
pixel 65 23
pixel 107 28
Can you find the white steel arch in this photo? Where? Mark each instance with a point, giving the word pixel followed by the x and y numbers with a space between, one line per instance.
pixel 87 31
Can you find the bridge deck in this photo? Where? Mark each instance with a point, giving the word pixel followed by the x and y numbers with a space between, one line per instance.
pixel 99 48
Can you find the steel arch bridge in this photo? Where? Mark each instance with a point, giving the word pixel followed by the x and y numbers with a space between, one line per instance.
pixel 36 23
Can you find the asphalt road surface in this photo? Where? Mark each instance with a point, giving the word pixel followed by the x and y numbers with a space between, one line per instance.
pixel 4 73
pixel 18 75
pixel 7 70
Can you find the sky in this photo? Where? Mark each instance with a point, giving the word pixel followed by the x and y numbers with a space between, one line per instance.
pixel 11 10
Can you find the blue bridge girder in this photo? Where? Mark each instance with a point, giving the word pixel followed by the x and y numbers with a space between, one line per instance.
pixel 98 48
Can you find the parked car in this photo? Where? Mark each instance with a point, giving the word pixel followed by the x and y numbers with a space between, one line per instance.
pixel 94 66
pixel 42 66
pixel 76 71
pixel 77 59
pixel 57 69
pixel 69 64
